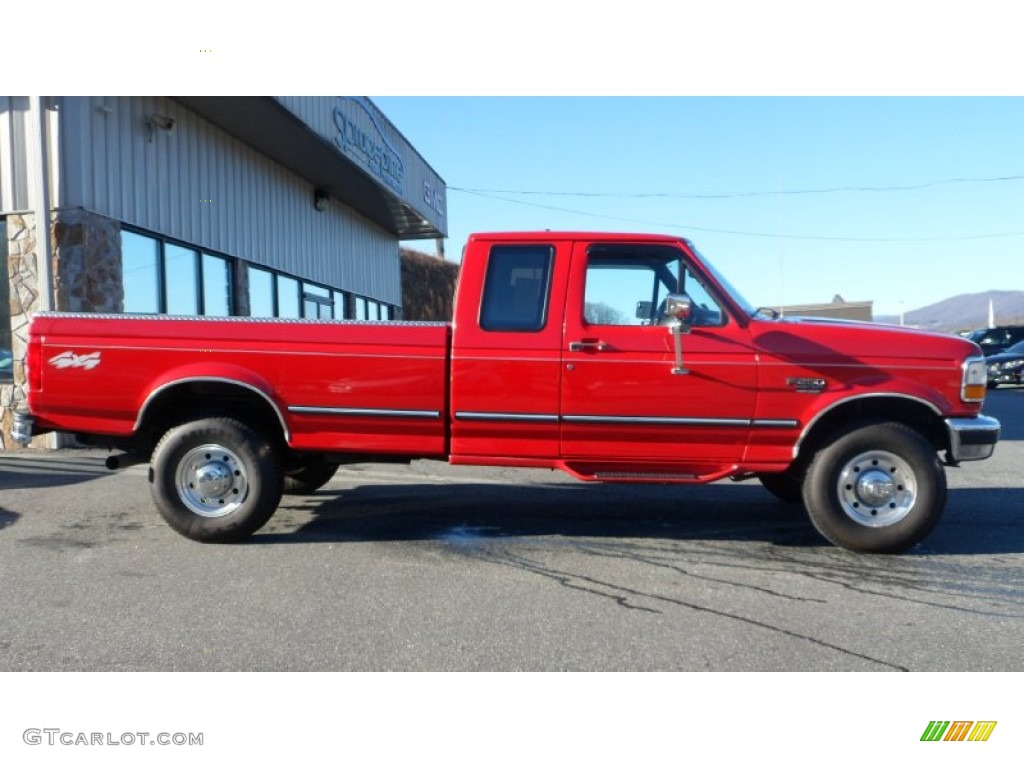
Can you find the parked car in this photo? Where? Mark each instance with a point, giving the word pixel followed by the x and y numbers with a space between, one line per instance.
pixel 995 340
pixel 1006 367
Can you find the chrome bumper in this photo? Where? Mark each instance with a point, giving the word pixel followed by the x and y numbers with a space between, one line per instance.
pixel 21 427
pixel 972 439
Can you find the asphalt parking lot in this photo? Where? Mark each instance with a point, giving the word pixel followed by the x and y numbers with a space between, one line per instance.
pixel 431 567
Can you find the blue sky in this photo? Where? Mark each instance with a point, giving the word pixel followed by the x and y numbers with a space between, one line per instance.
pixel 639 164
pixel 649 99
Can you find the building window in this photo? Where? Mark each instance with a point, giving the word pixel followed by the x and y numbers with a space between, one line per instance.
pixel 6 353
pixel 181 280
pixel 262 302
pixel 140 267
pixel 272 294
pixel 316 302
pixel 287 297
pixel 216 280
pixel 164 277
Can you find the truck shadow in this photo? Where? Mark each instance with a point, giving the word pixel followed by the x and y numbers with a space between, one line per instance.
pixel 977 521
pixel 47 470
pixel 7 518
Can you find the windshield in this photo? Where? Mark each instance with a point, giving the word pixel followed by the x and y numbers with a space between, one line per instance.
pixel 745 305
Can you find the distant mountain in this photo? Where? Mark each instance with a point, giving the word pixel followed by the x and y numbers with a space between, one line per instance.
pixel 965 312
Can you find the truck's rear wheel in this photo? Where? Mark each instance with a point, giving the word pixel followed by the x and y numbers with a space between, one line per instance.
pixel 215 479
pixel 877 488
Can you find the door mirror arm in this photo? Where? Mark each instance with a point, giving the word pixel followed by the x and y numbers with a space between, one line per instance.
pixel 677 315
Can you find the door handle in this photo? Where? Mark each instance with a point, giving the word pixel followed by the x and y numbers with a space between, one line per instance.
pixel 587 344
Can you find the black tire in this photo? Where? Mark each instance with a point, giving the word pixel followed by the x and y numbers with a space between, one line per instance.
pixel 878 488
pixel 786 486
pixel 309 477
pixel 215 479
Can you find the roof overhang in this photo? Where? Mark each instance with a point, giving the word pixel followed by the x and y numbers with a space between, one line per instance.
pixel 267 125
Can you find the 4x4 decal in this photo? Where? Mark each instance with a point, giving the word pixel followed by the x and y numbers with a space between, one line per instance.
pixel 71 360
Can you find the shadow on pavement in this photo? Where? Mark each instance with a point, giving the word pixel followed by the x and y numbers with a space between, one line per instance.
pixel 979 521
pixel 742 512
pixel 47 470
pixel 464 511
pixel 7 518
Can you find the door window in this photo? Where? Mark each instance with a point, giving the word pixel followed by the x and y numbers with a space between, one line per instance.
pixel 627 285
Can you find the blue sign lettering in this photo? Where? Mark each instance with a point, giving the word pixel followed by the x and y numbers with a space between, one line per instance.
pixel 372 149
pixel 434 198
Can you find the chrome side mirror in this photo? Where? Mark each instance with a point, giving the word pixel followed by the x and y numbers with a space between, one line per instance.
pixel 679 310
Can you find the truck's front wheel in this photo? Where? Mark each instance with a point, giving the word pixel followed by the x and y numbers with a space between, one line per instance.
pixel 215 479
pixel 877 488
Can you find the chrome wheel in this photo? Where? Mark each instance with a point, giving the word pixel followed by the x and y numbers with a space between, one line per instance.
pixel 211 480
pixel 877 488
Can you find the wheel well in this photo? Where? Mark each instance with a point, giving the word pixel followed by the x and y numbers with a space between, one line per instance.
pixel 191 400
pixel 914 414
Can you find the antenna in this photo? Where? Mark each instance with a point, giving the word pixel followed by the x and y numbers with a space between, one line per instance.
pixel 782 255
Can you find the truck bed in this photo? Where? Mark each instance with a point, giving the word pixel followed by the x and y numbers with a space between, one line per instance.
pixel 347 386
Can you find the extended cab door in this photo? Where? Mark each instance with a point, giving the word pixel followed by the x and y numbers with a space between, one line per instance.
pixel 506 351
pixel 623 399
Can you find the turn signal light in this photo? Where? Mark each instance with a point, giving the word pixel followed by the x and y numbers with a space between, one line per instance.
pixel 974 392
pixel 975 379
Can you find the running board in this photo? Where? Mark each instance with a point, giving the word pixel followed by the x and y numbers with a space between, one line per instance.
pixel 664 474
pixel 652 476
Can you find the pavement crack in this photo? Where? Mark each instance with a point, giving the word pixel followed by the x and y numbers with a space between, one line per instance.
pixel 611 552
pixel 565 579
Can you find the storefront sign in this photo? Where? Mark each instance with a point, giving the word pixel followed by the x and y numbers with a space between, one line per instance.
pixel 359 135
pixel 433 196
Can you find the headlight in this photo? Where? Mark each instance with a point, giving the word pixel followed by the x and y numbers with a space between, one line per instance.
pixel 1012 365
pixel 972 390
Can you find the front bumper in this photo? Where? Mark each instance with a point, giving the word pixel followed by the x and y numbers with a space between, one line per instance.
pixel 972 439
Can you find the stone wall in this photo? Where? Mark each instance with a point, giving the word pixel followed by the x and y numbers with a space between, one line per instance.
pixel 23 274
pixel 87 274
pixel 87 277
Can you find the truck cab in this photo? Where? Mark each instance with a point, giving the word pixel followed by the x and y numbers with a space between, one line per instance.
pixel 564 355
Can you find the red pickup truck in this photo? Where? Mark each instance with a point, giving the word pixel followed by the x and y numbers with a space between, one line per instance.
pixel 616 358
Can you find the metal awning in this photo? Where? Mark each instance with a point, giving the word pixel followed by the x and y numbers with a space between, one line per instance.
pixel 267 126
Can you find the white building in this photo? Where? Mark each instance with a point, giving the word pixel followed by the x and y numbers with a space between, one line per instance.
pixel 248 206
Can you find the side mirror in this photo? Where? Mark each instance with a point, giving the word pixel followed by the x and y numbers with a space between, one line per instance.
pixel 678 309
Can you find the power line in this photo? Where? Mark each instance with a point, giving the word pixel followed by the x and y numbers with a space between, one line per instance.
pixel 741 233
pixel 733 195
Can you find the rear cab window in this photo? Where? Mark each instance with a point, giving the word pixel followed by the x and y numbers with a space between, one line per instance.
pixel 516 288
